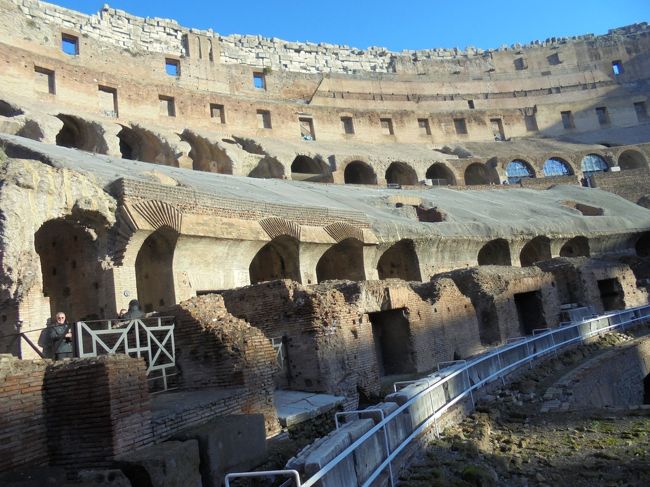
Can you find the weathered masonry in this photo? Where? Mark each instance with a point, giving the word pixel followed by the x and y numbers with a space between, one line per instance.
pixel 315 218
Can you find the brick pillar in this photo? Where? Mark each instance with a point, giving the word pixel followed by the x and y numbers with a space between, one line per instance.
pixel 96 409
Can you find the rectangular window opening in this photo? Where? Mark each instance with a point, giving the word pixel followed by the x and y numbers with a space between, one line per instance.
pixel 172 67
pixel 603 116
pixel 424 126
pixel 45 81
pixel 347 125
pixel 521 64
pixel 218 113
pixel 641 110
pixel 530 311
pixel 70 44
pixel 108 101
pixel 167 106
pixel 387 126
pixel 259 81
pixel 611 294
pixel 531 123
pixel 617 67
pixel 307 128
pixel 497 129
pixel 263 119
pixel 461 126
pixel 567 120
pixel 470 104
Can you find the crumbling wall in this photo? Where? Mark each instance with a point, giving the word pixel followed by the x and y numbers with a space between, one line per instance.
pixel 214 349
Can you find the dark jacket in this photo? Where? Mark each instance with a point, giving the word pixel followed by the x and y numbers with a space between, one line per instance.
pixel 60 345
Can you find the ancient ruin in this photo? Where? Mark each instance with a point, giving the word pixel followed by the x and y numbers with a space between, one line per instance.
pixel 315 218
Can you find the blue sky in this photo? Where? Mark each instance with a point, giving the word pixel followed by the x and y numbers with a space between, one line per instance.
pixel 397 25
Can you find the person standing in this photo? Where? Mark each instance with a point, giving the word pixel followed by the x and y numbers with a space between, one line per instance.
pixel 60 336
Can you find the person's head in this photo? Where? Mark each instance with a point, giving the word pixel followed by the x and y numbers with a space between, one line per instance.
pixel 122 313
pixel 59 318
pixel 134 304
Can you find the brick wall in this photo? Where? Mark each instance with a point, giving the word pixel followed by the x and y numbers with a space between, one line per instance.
pixel 22 420
pixel 214 349
pixel 632 184
pixel 96 409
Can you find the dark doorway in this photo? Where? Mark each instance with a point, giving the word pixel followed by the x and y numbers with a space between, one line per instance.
pixel 393 342
pixel 530 311
pixel 611 294
pixel 154 270
pixel 278 259
pixel 495 252
pixel 400 261
pixel 646 389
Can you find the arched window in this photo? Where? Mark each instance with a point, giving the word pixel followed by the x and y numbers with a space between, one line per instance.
pixel 557 167
pixel 593 163
pixel 517 170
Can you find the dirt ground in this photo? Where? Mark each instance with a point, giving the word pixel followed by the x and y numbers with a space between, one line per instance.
pixel 508 441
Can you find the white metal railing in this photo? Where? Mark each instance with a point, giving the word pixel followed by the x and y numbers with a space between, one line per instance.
pixel 437 393
pixel 149 338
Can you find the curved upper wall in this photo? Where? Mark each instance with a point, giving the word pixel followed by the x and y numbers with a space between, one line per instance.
pixel 343 94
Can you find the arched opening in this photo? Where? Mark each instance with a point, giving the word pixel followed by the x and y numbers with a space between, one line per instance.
pixel 536 250
pixel 267 168
pixel 517 170
pixel 342 261
pixel 400 173
pixel 305 168
pixel 71 269
pixel 400 261
pixel 154 270
pixel 278 259
pixel 593 163
pixel 495 252
pixel 77 133
pixel 441 175
pixel 631 159
pixel 476 173
pixel 138 144
pixel 358 172
pixel 642 245
pixel 576 247
pixel 557 167
pixel 206 156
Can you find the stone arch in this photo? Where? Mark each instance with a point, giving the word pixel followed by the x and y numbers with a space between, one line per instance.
pixel 278 259
pixel 154 269
pixel 78 133
pixel 71 269
pixel 478 173
pixel 305 168
pixel 206 156
pixel 442 173
pixel 401 173
pixel 342 261
pixel 400 261
pixel 359 172
pixel 267 168
pixel 642 245
pixel 536 250
pixel 495 252
pixel 593 163
pixel 576 247
pixel 632 159
pixel 518 169
pixel 139 144
pixel 556 166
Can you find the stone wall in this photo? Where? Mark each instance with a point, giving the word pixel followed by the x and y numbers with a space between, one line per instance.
pixel 632 184
pixel 612 379
pixel 127 31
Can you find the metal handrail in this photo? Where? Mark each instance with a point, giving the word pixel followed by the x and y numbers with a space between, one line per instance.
pixel 266 473
pixel 639 314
